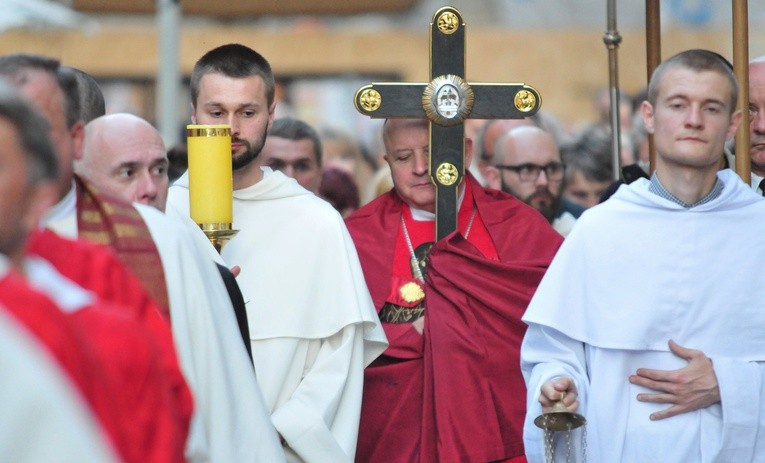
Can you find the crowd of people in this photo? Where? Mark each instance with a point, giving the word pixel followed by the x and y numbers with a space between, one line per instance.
pixel 334 327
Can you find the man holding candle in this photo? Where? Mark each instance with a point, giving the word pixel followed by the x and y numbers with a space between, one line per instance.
pixel 166 261
pixel 312 324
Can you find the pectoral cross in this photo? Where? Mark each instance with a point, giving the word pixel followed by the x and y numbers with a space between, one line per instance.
pixel 446 101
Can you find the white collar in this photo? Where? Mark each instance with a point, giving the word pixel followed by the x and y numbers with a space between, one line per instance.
pixel 421 215
pixel 62 217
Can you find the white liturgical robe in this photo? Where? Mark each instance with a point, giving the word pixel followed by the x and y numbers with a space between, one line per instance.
pixel 312 323
pixel 230 421
pixel 637 271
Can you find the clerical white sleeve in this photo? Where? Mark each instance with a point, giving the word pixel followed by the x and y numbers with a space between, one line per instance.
pixel 742 393
pixel 547 354
pixel 316 395
pixel 230 423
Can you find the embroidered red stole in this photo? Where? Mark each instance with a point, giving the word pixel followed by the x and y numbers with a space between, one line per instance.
pixel 115 223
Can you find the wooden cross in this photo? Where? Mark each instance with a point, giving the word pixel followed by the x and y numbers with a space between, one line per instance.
pixel 446 101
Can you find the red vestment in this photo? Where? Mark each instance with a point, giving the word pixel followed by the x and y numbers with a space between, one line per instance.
pixel 69 346
pixel 151 430
pixel 97 269
pixel 456 393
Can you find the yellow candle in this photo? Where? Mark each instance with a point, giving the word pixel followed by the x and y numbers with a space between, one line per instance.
pixel 210 175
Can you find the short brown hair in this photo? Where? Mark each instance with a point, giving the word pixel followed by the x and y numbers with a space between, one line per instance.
pixel 697 60
pixel 236 61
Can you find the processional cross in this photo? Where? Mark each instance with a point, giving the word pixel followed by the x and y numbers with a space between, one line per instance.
pixel 446 101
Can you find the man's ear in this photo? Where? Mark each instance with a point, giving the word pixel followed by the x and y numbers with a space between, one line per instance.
pixel 271 115
pixel 646 110
pixel 41 198
pixel 735 120
pixel 77 132
pixel 492 176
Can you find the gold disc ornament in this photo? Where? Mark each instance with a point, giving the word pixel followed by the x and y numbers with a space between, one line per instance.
pixel 369 99
pixel 448 23
pixel 447 174
pixel 411 292
pixel 525 101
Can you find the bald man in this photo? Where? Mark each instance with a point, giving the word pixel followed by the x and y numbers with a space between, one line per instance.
pixel 527 164
pixel 125 156
pixel 488 134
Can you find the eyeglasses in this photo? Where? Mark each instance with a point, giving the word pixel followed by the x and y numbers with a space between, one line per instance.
pixel 530 172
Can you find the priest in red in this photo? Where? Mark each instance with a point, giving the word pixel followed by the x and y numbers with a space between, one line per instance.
pixel 449 387
pixel 111 349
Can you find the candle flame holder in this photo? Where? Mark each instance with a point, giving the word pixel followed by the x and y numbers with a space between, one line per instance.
pixel 219 234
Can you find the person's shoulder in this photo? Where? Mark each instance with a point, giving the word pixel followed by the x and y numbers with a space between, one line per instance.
pixel 46 239
pixel 493 195
pixel 504 204
pixel 152 214
pixel 571 208
pixel 370 210
pixel 164 229
pixel 314 207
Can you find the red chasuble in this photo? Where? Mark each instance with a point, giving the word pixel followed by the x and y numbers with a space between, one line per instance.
pixel 68 345
pixel 97 269
pixel 151 430
pixel 455 394
pixel 104 219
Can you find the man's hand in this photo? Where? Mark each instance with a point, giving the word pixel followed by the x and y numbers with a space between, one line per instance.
pixel 690 388
pixel 419 324
pixel 560 389
pixel 235 270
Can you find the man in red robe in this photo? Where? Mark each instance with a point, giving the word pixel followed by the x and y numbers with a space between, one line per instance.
pixel 67 345
pixel 122 372
pixel 123 380
pixel 133 339
pixel 449 387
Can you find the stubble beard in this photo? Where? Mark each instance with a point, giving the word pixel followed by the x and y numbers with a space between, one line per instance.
pixel 543 201
pixel 250 153
pixel 244 159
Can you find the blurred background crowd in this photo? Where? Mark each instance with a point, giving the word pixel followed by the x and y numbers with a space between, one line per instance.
pixel 322 52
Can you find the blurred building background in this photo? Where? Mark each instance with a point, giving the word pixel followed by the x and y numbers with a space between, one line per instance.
pixel 322 52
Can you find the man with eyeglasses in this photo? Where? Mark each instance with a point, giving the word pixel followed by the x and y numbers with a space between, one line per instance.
pixel 527 164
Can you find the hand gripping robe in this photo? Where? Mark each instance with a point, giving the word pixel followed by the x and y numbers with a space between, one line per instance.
pixel 456 393
pixel 637 271
pixel 312 324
